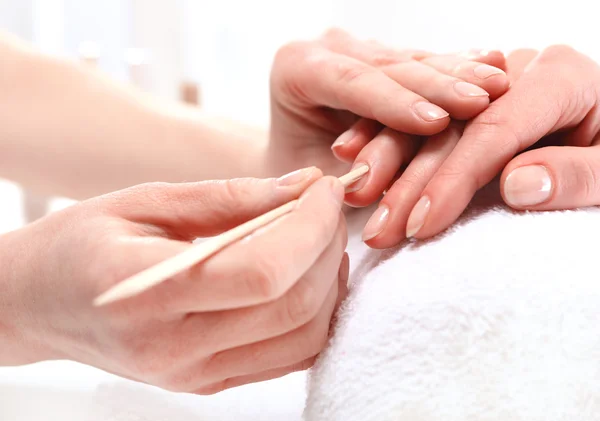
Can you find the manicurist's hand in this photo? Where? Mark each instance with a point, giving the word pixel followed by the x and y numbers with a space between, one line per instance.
pixel 259 309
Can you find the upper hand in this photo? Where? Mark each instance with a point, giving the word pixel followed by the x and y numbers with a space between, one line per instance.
pixel 259 309
pixel 321 89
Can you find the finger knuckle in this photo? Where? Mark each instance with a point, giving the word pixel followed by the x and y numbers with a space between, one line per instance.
pixel 351 72
pixel 454 174
pixel 385 58
pixel 263 280
pixel 292 51
pixel 301 305
pixel 557 53
pixel 494 126
pixel 412 180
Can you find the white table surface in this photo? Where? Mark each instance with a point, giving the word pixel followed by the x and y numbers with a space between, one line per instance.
pixel 67 391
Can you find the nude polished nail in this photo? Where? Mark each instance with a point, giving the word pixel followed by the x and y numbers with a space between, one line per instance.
pixel 528 186
pixel 296 177
pixel 469 90
pixel 416 220
pixel 376 223
pixel 429 112
pixel 484 71
pixel 343 139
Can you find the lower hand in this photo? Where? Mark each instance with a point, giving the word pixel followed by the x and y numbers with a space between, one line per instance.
pixel 555 92
pixel 259 309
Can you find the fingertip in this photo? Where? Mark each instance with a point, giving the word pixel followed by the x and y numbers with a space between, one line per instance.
pixel 497 86
pixel 494 58
pixel 336 188
pixel 376 223
pixel 468 108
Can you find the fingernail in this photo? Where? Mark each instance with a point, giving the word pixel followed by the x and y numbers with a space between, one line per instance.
pixel 376 223
pixel 484 71
pixel 429 112
pixel 296 177
pixel 417 217
pixel 468 89
pixel 344 272
pixel 354 187
pixel 343 139
pixel 337 191
pixel 528 186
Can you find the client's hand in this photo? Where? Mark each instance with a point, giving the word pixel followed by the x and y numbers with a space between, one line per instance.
pixel 320 90
pixel 555 92
pixel 259 309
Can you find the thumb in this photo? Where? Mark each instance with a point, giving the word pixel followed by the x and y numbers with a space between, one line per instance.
pixel 552 178
pixel 207 208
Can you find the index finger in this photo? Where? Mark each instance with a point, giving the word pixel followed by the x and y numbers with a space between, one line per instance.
pixel 265 265
pixel 539 102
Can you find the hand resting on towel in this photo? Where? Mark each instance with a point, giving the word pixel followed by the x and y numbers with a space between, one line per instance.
pixel 553 101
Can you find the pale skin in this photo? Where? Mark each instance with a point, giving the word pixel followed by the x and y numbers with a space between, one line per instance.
pixel 241 316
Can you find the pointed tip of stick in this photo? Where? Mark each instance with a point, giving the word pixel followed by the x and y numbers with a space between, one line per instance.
pixel 354 175
pixel 118 292
pixel 106 298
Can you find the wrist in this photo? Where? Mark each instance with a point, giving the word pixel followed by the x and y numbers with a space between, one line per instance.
pixel 21 343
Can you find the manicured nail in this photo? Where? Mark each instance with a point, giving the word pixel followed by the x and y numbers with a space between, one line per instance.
pixel 416 220
pixel 337 191
pixel 429 112
pixel 354 187
pixel 484 71
pixel 343 139
pixel 296 177
pixel 528 186
pixel 468 89
pixel 376 223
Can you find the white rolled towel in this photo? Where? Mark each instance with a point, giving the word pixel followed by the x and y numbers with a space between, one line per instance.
pixel 498 319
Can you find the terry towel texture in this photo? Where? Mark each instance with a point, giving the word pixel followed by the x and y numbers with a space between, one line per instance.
pixel 498 319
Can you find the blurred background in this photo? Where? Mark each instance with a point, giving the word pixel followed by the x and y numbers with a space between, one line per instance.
pixel 217 54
